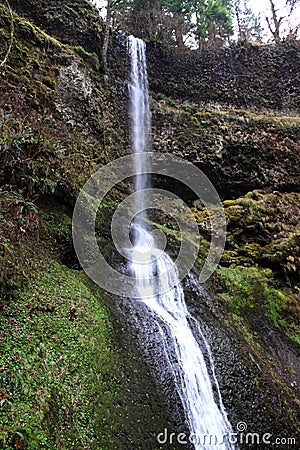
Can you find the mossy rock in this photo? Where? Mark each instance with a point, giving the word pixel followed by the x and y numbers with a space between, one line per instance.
pixel 243 289
pixel 65 373
pixel 71 22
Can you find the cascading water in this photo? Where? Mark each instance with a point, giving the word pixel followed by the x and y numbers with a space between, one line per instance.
pixel 205 414
pixel 140 120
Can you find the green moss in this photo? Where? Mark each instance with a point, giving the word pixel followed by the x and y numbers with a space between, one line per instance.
pixel 169 228
pixel 57 224
pixel 251 251
pixel 244 288
pixel 50 367
pixel 91 58
pixel 61 386
pixel 27 153
pixel 160 96
pixel 23 29
pixel 19 228
pixel 245 330
pixel 67 381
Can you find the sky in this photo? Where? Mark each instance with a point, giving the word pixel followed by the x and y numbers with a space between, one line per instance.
pixel 261 7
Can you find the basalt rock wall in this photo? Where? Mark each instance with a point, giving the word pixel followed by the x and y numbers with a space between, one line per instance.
pixel 74 22
pixel 242 75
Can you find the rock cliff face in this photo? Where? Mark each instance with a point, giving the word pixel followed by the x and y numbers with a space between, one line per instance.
pixel 233 113
pixel 239 149
pixel 243 75
pixel 240 126
pixel 71 22
pixel 59 91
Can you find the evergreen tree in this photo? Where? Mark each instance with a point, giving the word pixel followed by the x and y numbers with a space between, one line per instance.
pixel 213 21
pixel 180 11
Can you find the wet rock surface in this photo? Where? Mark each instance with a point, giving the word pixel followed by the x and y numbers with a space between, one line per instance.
pixel 259 382
pixel 141 335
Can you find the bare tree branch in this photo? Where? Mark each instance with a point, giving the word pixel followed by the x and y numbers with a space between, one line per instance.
pixel 106 34
pixel 11 34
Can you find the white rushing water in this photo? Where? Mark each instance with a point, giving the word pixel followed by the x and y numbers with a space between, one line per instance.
pixel 204 411
pixel 140 115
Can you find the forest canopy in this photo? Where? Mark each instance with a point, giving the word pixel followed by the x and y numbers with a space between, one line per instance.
pixel 202 23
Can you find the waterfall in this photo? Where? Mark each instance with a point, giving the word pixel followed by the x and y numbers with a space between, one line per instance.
pixel 204 410
pixel 140 119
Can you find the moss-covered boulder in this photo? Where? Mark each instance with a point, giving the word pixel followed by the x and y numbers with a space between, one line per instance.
pixel 71 22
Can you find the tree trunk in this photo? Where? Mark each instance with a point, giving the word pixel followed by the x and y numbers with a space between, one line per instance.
pixel 106 34
pixel 276 22
pixel 179 29
pixel 11 34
